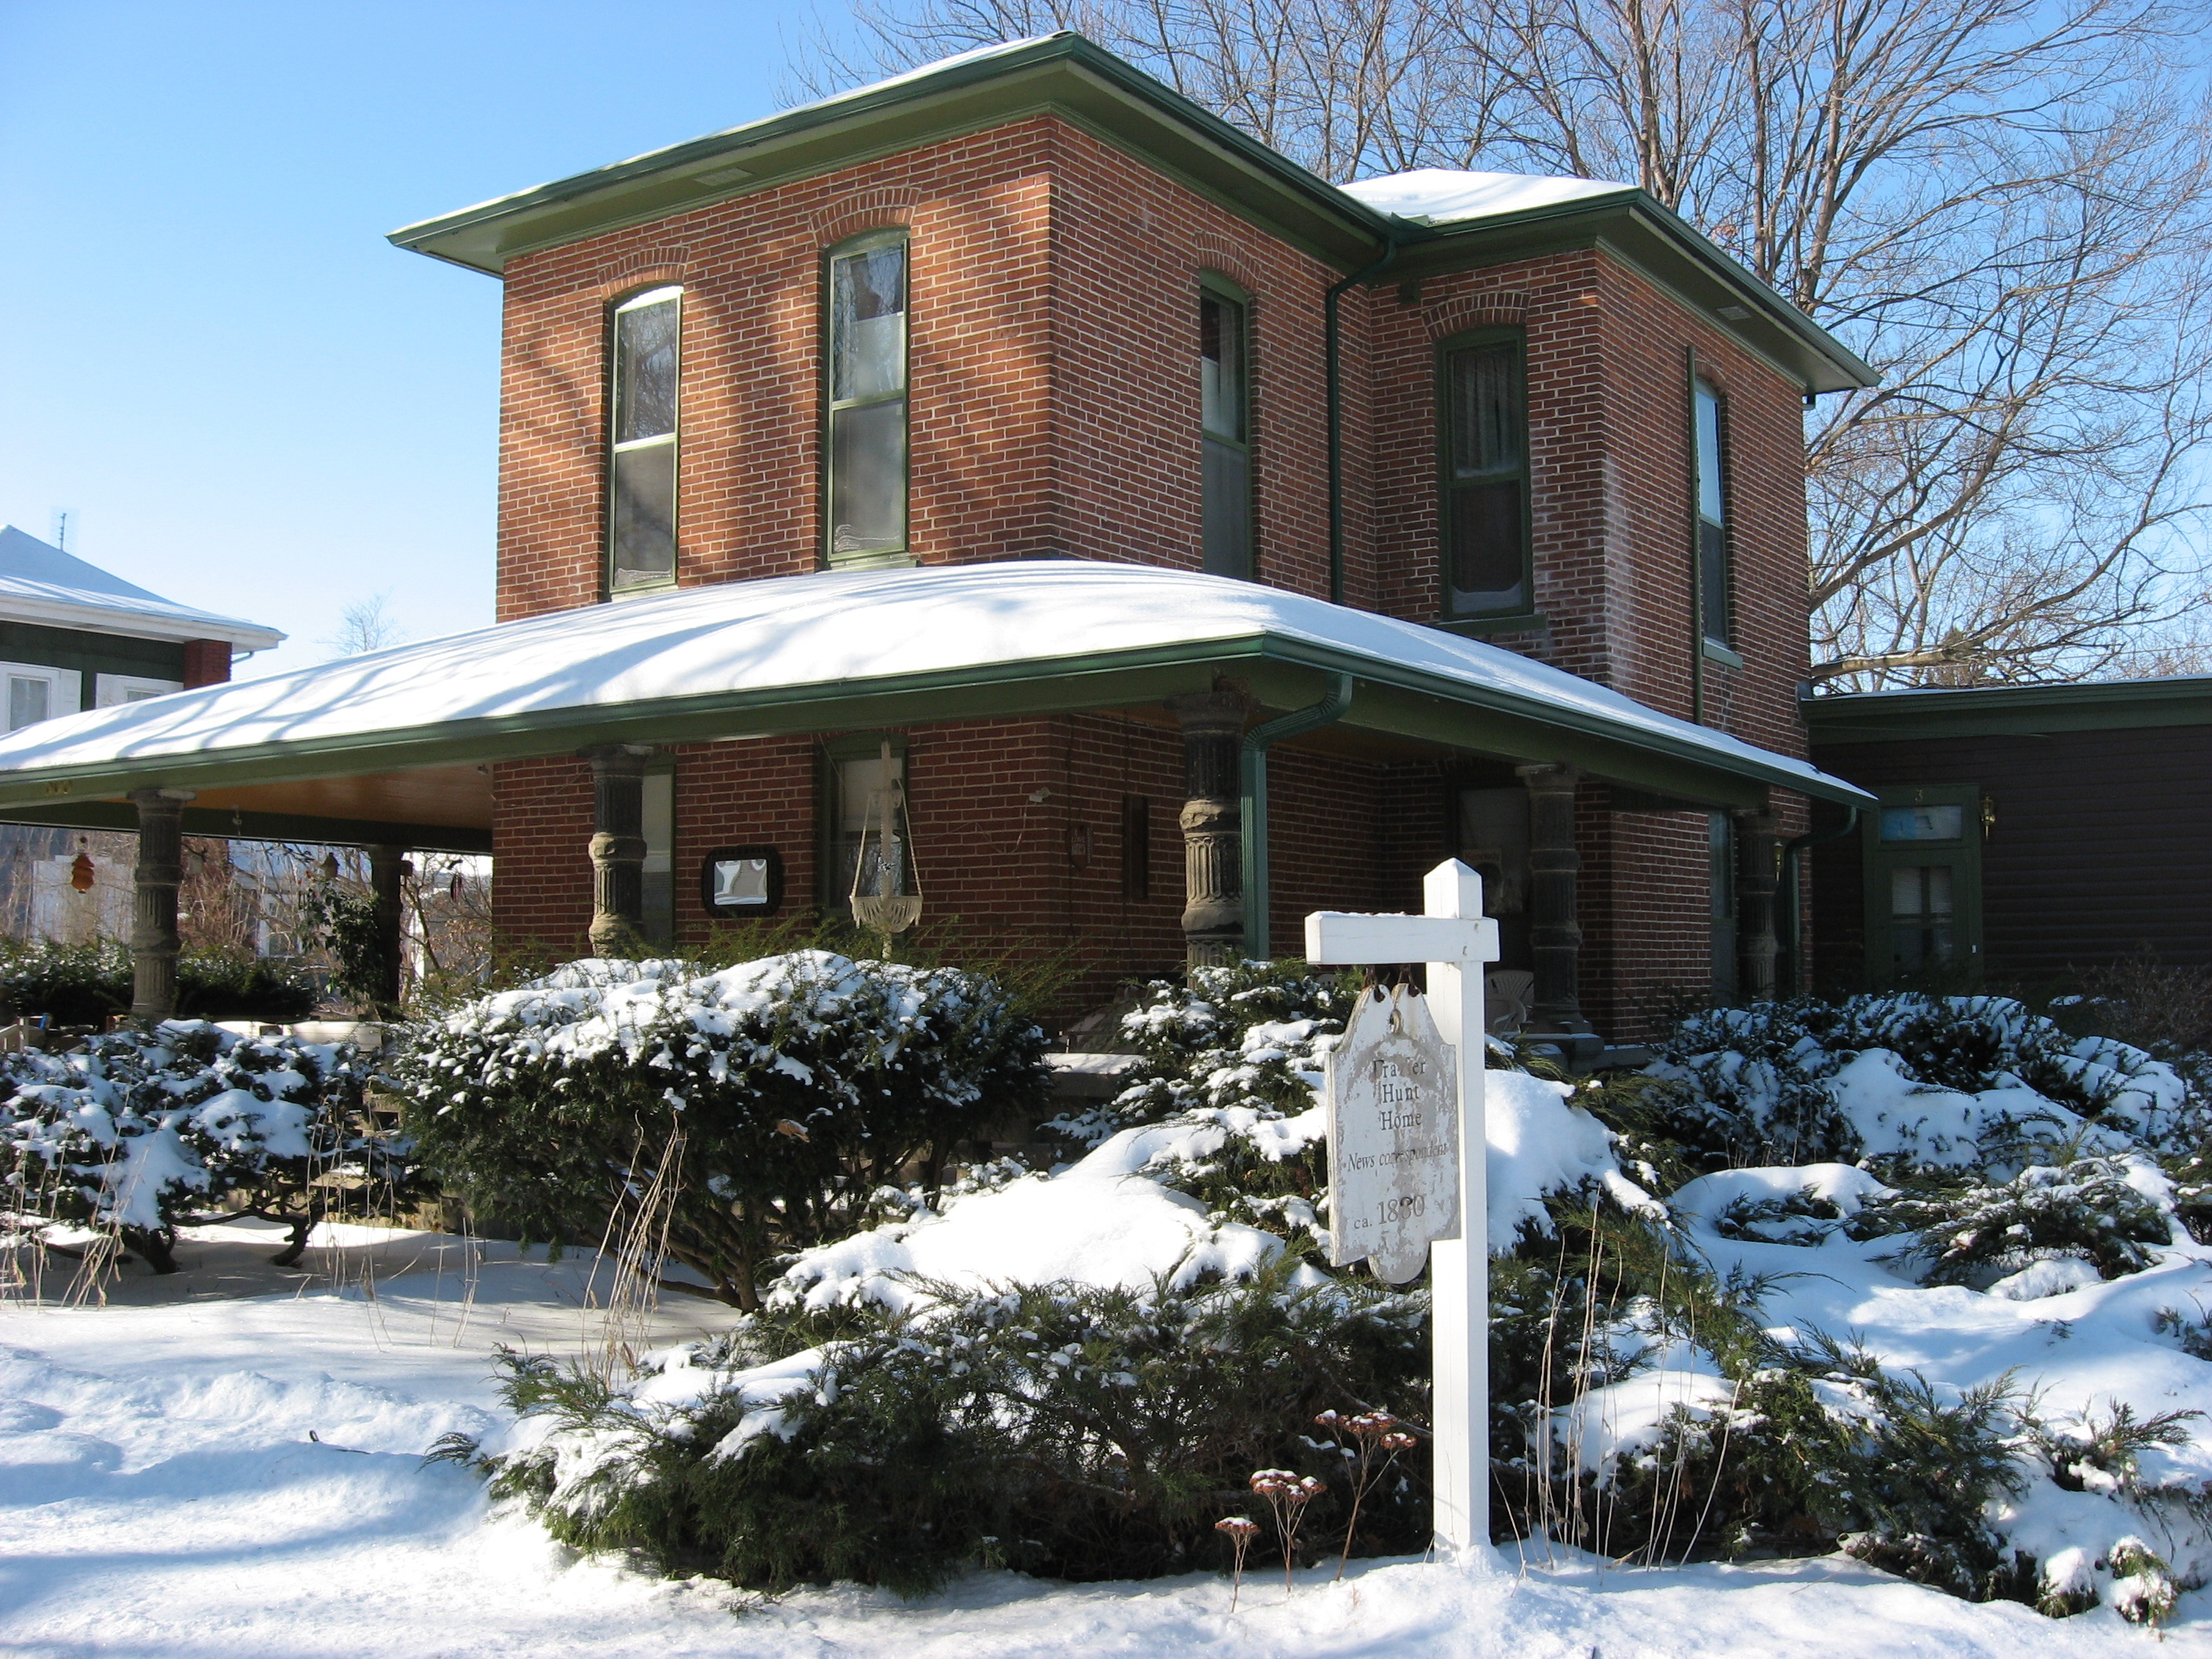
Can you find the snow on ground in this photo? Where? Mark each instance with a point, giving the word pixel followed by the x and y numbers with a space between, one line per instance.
pixel 160 1497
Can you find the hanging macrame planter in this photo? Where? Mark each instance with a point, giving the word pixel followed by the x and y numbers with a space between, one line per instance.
pixel 886 896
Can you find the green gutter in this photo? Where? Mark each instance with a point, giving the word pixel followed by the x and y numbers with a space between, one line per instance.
pixel 2008 710
pixel 1083 680
pixel 1252 786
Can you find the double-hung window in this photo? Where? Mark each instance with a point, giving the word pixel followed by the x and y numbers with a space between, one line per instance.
pixel 36 692
pixel 1225 422
pixel 867 438
pixel 642 519
pixel 1484 507
pixel 1708 431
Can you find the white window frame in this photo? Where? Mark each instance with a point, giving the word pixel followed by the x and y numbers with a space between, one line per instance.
pixel 64 692
pixel 110 690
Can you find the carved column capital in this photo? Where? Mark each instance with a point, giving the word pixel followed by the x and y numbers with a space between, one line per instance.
pixel 617 846
pixel 1212 820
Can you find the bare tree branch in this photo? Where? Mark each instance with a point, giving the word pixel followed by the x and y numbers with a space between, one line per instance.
pixel 2004 205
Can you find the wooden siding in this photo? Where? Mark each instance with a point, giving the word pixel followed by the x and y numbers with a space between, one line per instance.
pixel 2097 851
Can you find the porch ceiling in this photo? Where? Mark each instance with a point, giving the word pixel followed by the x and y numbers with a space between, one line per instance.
pixel 393 745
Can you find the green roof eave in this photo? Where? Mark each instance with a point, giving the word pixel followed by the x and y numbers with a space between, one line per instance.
pixel 1666 249
pixel 1060 74
pixel 1066 75
pixel 1854 717
pixel 1420 704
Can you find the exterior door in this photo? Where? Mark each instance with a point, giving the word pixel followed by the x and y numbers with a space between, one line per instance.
pixel 1924 886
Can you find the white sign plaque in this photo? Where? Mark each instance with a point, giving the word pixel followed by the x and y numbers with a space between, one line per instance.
pixel 1392 1137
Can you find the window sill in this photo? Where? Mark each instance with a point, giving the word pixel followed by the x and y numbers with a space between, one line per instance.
pixel 868 561
pixel 1714 651
pixel 1520 622
pixel 641 591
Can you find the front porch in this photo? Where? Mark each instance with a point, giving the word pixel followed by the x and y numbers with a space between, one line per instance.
pixel 407 748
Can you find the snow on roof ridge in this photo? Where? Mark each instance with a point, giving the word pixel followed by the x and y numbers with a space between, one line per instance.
pixel 48 576
pixel 1450 195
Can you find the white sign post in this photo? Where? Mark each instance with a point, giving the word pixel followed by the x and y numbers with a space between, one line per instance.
pixel 1456 941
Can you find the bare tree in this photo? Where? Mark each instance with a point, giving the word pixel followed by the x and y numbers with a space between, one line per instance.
pixel 366 625
pixel 2003 205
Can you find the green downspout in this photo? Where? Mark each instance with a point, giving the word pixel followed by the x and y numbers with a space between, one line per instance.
pixel 1333 355
pixel 1792 915
pixel 1252 779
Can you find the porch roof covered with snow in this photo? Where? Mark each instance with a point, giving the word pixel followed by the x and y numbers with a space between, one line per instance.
pixel 394 746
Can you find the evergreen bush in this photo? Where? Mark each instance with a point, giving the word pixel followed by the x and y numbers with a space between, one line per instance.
pixel 2090 1209
pixel 1758 1085
pixel 139 1134
pixel 1069 1431
pixel 85 984
pixel 771 1099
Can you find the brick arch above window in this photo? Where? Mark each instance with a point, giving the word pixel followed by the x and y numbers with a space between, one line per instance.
pixel 855 216
pixel 1452 317
pixel 1210 254
pixel 1704 368
pixel 643 268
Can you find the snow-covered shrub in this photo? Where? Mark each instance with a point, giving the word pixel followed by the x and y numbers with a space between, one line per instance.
pixel 1924 1081
pixel 1250 1036
pixel 1080 1431
pixel 778 1094
pixel 143 1133
pixel 2100 1215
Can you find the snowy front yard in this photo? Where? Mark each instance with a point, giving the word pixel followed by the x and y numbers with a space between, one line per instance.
pixel 228 1462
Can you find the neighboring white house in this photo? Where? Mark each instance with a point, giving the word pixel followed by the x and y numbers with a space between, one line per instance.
pixel 74 636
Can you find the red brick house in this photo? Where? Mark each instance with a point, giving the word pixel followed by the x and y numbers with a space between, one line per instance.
pixel 1355 473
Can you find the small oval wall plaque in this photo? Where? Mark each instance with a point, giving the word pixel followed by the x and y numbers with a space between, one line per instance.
pixel 1392 1137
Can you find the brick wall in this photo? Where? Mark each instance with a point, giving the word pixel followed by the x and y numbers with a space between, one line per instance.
pixel 207 662
pixel 1055 412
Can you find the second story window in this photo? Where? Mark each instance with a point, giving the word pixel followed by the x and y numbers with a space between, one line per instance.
pixel 1225 463
pixel 1709 427
pixel 868 451
pixel 1484 510
pixel 642 517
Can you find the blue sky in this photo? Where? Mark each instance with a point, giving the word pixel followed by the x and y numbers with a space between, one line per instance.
pixel 246 398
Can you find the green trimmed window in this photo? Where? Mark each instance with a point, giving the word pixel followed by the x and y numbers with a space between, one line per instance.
pixel 1709 425
pixel 1483 392
pixel 1224 420
pixel 866 486
pixel 1923 883
pixel 641 482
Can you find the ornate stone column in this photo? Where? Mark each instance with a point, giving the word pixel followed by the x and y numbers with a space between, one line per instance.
pixel 1555 937
pixel 1757 854
pixel 1212 826
pixel 618 847
pixel 154 943
pixel 385 867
